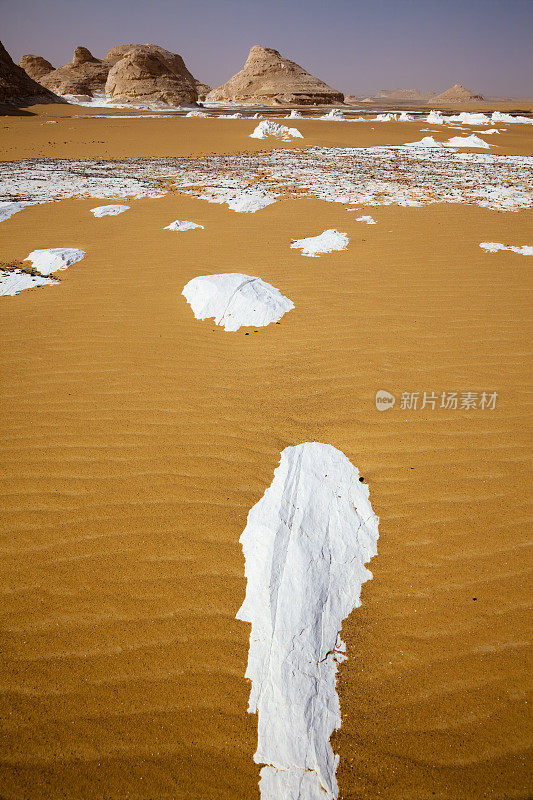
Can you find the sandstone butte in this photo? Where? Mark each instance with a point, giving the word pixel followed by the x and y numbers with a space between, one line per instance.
pixel 268 78
pixel 16 86
pixel 148 74
pixel 457 94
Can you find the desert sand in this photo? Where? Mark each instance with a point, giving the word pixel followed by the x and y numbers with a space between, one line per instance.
pixel 136 438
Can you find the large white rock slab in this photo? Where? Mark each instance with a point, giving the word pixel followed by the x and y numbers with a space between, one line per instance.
pixel 14 281
pixel 109 211
pixel 494 247
pixel 54 259
pixel 305 544
pixel 268 128
pixel 182 225
pixel 235 300
pixel 326 242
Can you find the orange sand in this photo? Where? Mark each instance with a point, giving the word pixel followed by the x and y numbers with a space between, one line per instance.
pixel 136 439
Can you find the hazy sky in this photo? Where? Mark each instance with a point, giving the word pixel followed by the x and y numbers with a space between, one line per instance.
pixel 357 46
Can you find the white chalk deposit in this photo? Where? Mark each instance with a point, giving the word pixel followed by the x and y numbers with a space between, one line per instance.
pixel 54 259
pixel 467 141
pixel 372 176
pixel 366 218
pixel 14 281
pixel 305 545
pixel 8 208
pixel 325 243
pixel 494 247
pixel 109 211
pixel 235 300
pixel 427 141
pixel 182 225
pixel 268 128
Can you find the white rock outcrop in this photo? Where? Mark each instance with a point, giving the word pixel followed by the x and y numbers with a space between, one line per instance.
pixel 305 544
pixel 268 128
pixel 467 141
pixel 235 300
pixel 109 211
pixel 326 242
pixel 53 259
pixel 182 225
pixel 495 247
pixel 14 281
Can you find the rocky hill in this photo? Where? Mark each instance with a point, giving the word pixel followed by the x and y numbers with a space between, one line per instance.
pixel 268 78
pixel 16 86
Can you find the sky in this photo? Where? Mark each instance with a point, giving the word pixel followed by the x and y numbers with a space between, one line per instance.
pixel 357 46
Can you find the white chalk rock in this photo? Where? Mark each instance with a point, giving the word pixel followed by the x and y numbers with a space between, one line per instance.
pixel 497 116
pixel 8 208
pixel 325 243
pixel 468 118
pixel 305 545
pixel 335 115
pixel 235 300
pixel 366 218
pixel 435 118
pixel 467 141
pixel 54 259
pixel 427 141
pixel 109 211
pixel 494 247
pixel 268 128
pixel 14 281
pixel 182 225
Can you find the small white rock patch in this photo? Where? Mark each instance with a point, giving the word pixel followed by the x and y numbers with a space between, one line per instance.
pixel 14 281
pixel 494 247
pixel 326 242
pixel 182 225
pixel 109 211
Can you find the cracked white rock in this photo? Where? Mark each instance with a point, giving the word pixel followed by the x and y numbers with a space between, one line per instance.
pixel 182 225
pixel 326 242
pixel 14 281
pixel 54 259
pixel 494 247
pixel 235 300
pixel 305 545
pixel 268 128
pixel 109 211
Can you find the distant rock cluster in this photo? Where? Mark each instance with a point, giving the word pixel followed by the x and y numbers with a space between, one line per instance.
pixel 146 74
pixel 130 73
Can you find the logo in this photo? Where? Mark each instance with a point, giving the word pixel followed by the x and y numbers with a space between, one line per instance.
pixel 384 400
